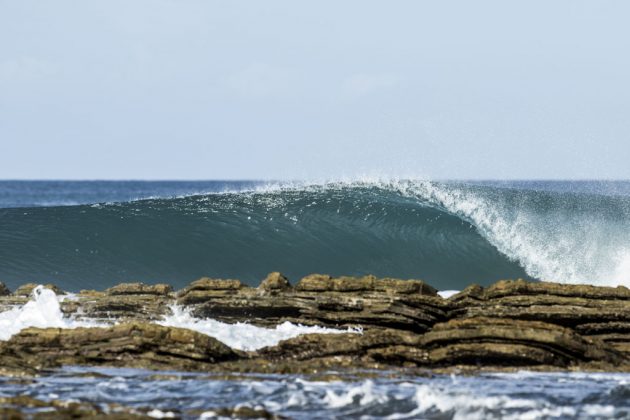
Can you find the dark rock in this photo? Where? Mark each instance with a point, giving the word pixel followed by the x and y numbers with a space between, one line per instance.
pixel 4 290
pixel 23 406
pixel 245 413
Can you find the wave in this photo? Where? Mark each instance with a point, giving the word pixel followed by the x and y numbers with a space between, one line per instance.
pixel 449 234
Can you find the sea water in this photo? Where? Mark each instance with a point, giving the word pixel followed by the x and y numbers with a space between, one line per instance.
pixel 93 235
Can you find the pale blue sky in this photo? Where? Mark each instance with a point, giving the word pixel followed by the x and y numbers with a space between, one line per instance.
pixel 177 89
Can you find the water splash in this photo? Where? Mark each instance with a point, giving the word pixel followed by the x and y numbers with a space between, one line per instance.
pixel 42 311
pixel 240 335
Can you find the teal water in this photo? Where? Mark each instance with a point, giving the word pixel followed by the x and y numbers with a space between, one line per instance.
pixel 96 234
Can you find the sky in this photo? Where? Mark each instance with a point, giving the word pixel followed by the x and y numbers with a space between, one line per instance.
pixel 202 89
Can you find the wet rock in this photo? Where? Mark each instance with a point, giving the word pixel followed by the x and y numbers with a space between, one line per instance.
pixel 137 345
pixel 243 412
pixel 25 407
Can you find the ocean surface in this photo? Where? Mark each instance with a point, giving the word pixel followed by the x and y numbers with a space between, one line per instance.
pixel 93 234
pixel 84 235
pixel 521 395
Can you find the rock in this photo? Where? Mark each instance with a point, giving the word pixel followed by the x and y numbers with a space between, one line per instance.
pixel 130 306
pixel 310 346
pixel 27 407
pixel 27 289
pixel 275 281
pixel 315 283
pixel 494 341
pixel 404 322
pixel 206 288
pixel 522 287
pixel 4 290
pixel 139 289
pixel 601 313
pixel 138 345
pixel 206 283
pixel 325 283
pixel 243 412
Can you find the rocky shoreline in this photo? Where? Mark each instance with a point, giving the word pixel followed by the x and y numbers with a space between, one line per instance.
pixel 405 326
pixel 404 323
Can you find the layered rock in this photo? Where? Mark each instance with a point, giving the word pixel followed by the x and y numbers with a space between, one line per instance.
pixel 137 345
pixel 405 323
pixel 132 301
pixel 319 300
pixel 601 313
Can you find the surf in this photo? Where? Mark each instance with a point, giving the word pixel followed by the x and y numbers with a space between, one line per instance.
pixel 449 234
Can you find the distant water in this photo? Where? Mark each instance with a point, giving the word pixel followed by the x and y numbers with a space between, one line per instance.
pixel 493 396
pixel 94 234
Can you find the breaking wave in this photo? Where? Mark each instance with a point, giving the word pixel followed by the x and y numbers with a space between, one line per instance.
pixel 449 234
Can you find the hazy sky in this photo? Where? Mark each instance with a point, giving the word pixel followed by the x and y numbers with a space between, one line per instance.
pixel 182 89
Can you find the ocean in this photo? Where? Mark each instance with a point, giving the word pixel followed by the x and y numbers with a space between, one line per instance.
pixel 94 234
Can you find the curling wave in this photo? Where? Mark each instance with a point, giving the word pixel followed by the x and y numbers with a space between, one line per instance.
pixel 449 234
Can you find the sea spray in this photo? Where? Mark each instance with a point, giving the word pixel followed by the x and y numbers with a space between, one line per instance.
pixel 555 236
pixel 42 311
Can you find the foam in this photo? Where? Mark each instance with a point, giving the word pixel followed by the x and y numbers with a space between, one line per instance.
pixel 42 311
pixel 448 293
pixel 243 336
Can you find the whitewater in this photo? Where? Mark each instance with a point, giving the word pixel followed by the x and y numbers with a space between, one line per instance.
pixel 43 310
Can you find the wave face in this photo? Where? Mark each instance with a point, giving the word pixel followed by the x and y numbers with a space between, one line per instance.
pixel 449 234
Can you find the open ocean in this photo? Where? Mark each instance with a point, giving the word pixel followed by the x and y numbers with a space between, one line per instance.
pixel 94 234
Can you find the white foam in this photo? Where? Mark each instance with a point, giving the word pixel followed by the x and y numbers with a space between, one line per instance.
pixel 448 293
pixel 364 394
pixel 42 311
pixel 243 336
